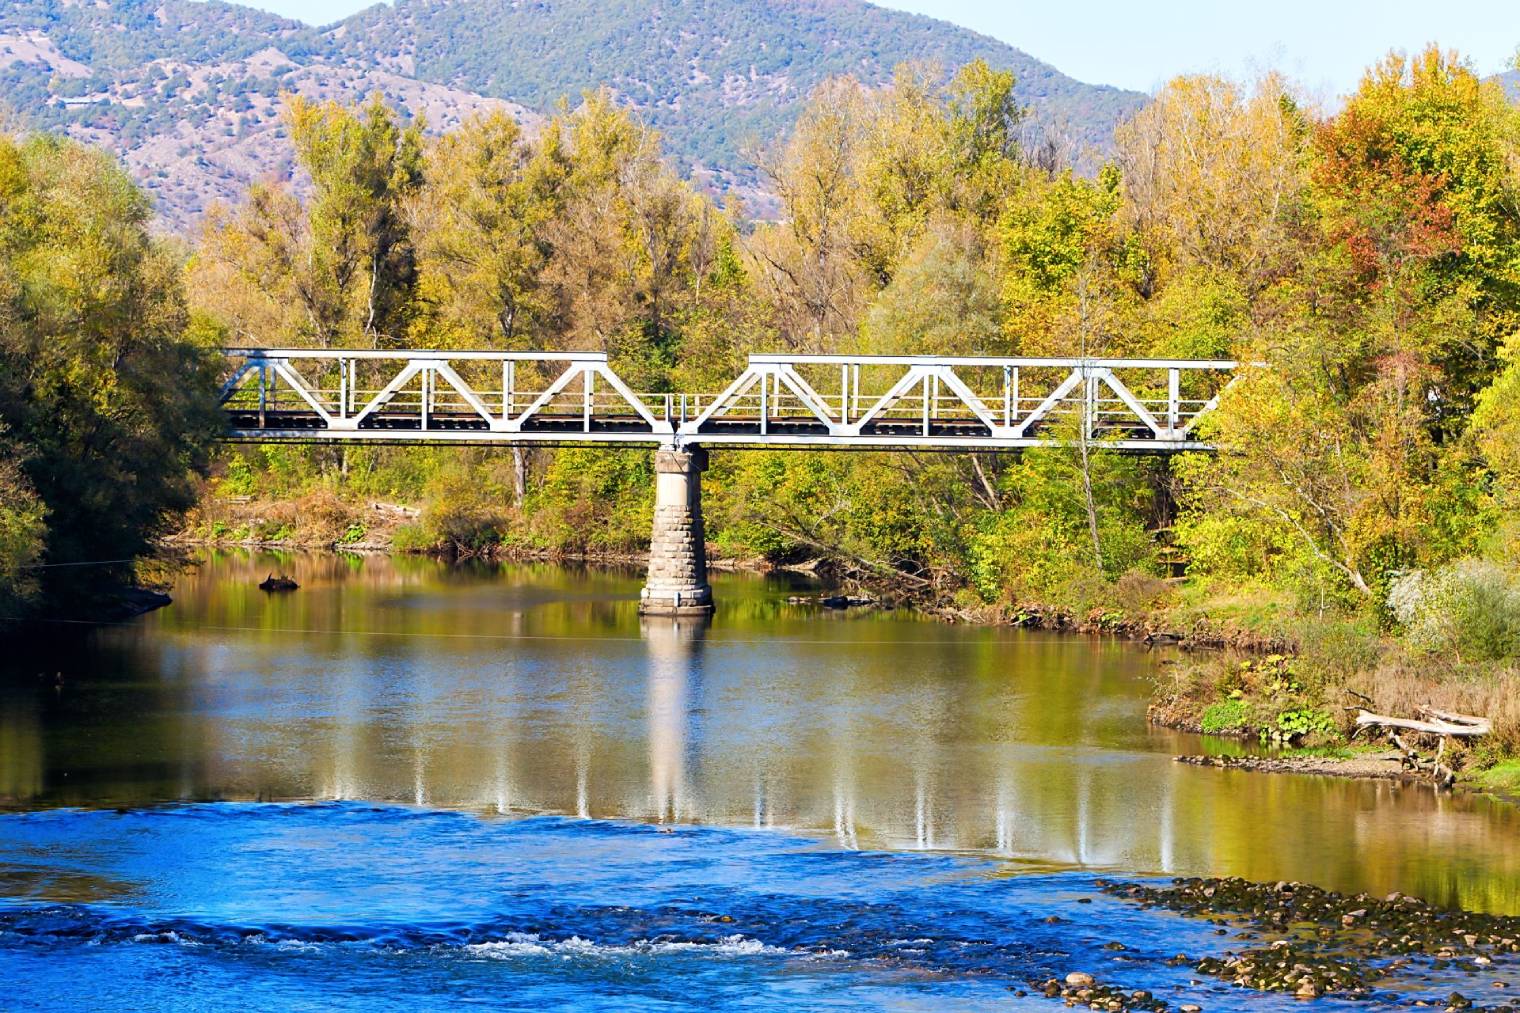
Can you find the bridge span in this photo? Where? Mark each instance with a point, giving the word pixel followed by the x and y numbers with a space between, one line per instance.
pixel 861 402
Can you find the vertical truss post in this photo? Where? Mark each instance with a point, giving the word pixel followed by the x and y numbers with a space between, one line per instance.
pixel 342 388
pixel 508 368
pixel 844 395
pixel 353 385
pixel 765 403
pixel 855 389
pixel 1008 396
pixel 926 404
pixel 1173 404
pixel 427 394
pixel 263 393
pixel 587 400
pixel 1091 403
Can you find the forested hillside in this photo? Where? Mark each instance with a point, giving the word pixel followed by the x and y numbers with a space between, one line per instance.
pixel 187 92
pixel 712 75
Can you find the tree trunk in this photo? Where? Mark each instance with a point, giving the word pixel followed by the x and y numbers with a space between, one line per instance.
pixel 519 474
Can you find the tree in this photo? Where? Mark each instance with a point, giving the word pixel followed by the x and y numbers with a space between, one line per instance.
pixel 1213 178
pixel 1382 333
pixel 803 264
pixel 105 389
pixel 338 270
pixel 481 224
pixel 363 168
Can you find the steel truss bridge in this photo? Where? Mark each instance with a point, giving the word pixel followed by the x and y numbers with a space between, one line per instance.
pixel 859 401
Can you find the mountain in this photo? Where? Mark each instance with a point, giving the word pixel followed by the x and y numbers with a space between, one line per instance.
pixel 188 92
pixel 1511 82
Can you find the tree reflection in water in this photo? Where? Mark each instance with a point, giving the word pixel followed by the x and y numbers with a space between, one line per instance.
pixel 526 689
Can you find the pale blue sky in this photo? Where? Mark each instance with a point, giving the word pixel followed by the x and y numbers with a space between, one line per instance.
pixel 1323 44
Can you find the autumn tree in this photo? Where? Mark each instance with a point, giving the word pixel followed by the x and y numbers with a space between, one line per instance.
pixel 338 269
pixel 106 407
pixel 482 228
pixel 1377 341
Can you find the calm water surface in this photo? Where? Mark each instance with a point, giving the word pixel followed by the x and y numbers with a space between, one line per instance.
pixel 414 786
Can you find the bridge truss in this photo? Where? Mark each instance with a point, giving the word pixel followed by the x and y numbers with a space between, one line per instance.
pixel 861 401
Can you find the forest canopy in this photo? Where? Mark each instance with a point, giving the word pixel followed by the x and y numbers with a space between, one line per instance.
pixel 1367 257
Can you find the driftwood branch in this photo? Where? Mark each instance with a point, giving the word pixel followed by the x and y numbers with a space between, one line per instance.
pixel 1437 723
pixel 1446 726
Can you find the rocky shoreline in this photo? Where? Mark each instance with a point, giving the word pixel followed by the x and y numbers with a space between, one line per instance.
pixel 1386 766
pixel 1309 942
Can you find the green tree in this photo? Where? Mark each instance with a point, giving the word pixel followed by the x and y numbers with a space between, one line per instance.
pixel 338 270
pixel 105 389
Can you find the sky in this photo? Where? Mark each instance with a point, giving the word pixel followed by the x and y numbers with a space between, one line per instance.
pixel 1322 44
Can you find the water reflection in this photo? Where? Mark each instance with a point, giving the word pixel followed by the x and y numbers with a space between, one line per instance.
pixel 532 689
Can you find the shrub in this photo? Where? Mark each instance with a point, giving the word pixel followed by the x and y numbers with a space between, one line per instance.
pixel 413 538
pixel 1224 717
pixel 1469 608
pixel 1295 724
pixel 463 514
pixel 324 516
pixel 1137 592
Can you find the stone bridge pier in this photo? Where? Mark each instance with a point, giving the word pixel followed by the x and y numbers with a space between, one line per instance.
pixel 677 581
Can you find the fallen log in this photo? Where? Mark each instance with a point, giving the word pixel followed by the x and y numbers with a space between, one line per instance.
pixel 1439 723
pixel 1444 725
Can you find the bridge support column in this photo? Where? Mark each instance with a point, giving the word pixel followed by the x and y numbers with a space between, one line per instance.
pixel 677 581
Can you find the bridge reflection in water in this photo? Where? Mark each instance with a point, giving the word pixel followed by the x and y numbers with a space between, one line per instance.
pixel 536 690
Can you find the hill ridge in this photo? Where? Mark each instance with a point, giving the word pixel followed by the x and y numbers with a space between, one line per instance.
pixel 187 92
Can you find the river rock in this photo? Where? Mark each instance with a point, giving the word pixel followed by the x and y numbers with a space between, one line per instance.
pixel 1079 979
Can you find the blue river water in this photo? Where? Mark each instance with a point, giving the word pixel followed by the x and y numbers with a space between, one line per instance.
pixel 347 906
pixel 497 789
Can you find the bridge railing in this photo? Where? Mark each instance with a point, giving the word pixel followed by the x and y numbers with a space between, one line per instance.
pixel 850 400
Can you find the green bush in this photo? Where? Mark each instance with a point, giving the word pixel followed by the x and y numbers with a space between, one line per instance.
pixel 1224 717
pixel 413 538
pixel 1295 724
pixel 1469 609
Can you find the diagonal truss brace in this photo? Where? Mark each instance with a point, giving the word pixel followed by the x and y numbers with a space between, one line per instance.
pixel 947 401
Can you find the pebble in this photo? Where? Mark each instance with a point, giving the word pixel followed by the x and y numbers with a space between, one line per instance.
pixel 1328 943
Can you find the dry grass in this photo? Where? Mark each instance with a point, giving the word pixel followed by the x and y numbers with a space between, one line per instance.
pixel 1401 684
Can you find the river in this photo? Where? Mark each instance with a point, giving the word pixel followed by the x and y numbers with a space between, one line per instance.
pixel 413 786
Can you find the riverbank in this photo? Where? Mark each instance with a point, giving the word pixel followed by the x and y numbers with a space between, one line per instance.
pixel 1381 765
pixel 109 605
